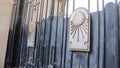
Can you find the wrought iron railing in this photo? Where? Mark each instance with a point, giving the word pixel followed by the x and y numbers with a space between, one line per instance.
pixel 38 40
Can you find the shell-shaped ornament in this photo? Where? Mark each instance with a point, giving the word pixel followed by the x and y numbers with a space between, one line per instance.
pixel 79 30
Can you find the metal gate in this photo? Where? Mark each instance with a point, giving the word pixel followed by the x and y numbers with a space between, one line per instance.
pixel 38 35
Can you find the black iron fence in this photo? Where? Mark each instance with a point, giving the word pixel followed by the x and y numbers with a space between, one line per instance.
pixel 39 32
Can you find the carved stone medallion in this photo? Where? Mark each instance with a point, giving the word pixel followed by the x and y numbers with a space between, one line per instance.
pixel 79 30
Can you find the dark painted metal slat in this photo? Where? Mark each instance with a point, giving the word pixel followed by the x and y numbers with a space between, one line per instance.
pixel 80 59
pixel 59 41
pixel 101 54
pixel 52 44
pixel 41 34
pixel 117 46
pixel 119 29
pixel 56 34
pixel 12 39
pixel 28 20
pixel 111 36
pixel 23 42
pixel 102 36
pixel 73 5
pixel 50 47
pixel 93 63
pixel 41 52
pixel 46 42
pixel 63 34
pixel 37 45
pixel 67 53
pixel 63 53
pixel 7 60
pixel 98 13
pixel 21 61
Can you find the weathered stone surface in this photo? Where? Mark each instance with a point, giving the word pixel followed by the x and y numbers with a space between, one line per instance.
pixel 5 14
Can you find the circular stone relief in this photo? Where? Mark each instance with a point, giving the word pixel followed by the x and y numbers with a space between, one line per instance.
pixel 79 24
pixel 78 18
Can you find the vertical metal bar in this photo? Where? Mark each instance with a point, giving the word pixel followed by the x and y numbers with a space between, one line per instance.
pixel 30 13
pixel 73 5
pixel 56 31
pixel 45 31
pixel 27 28
pixel 98 31
pixel 13 17
pixel 25 10
pixel 74 35
pixel 33 2
pixel 89 19
pixel 23 30
pixel 22 55
pixel 117 20
pixel 10 40
pixel 71 59
pixel 66 32
pixel 52 7
pixel 19 39
pixel 62 33
pixel 37 37
pixel 32 10
pixel 28 22
pixel 103 3
pixel 25 13
pixel 21 48
pixel 14 28
pixel 41 10
pixel 45 22
pixel 24 17
pixel 41 15
pixel 50 33
pixel 118 29
pixel 37 9
pixel 36 46
pixel 43 53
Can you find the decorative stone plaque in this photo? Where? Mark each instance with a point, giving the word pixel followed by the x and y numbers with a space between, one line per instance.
pixel 79 30
pixel 31 35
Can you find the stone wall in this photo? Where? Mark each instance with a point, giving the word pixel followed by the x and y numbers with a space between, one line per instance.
pixel 5 15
